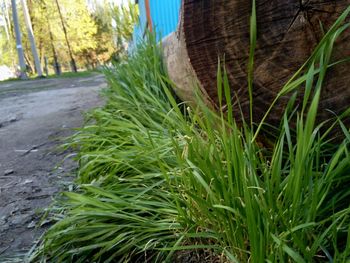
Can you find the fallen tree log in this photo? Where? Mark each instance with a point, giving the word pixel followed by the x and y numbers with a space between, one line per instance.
pixel 288 32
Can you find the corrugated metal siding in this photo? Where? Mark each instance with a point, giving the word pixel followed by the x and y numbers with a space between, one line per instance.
pixel 165 17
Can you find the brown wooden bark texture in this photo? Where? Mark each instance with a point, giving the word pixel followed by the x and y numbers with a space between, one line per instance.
pixel 288 32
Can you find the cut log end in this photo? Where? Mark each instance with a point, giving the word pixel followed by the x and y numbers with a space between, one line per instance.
pixel 288 32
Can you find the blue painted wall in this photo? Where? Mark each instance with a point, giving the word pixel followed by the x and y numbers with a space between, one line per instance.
pixel 165 17
pixel 140 28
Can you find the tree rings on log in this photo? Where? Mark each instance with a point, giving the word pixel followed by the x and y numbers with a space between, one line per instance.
pixel 288 32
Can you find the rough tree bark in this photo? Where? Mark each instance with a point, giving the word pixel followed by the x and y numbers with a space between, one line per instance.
pixel 288 31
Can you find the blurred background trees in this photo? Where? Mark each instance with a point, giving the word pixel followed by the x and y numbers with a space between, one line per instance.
pixel 96 30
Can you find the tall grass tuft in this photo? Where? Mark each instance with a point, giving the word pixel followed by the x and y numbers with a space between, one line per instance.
pixel 155 180
pixel 122 208
pixel 286 203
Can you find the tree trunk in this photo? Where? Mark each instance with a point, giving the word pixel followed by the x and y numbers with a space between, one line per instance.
pixel 288 32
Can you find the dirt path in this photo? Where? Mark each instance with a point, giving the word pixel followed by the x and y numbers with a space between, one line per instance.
pixel 34 116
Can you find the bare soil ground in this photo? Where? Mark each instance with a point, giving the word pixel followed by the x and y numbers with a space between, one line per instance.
pixel 34 117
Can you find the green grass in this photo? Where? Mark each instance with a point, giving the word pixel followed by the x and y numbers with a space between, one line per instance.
pixel 63 75
pixel 156 178
pixel 79 74
pixel 123 197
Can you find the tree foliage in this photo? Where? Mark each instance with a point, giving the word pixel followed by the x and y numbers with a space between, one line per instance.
pixel 96 32
pixel 119 20
pixel 7 47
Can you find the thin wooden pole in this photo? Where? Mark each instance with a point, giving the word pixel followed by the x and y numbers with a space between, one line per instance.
pixel 28 23
pixel 73 64
pixel 148 15
pixel 22 63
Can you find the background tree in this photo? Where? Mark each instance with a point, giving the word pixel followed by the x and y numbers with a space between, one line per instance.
pixel 80 26
pixel 124 17
pixel 7 46
pixel 115 24
pixel 97 31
